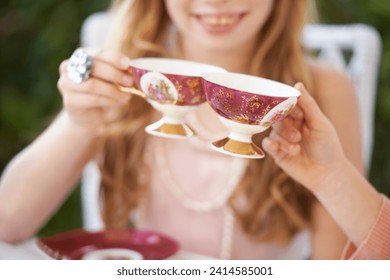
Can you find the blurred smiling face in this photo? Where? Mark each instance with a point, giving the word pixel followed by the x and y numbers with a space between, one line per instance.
pixel 218 24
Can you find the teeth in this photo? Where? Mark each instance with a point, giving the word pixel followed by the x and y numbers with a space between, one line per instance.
pixel 219 20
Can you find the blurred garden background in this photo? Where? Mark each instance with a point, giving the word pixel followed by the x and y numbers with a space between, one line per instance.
pixel 35 36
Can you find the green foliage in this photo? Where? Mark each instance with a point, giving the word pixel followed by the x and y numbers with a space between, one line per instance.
pixel 35 36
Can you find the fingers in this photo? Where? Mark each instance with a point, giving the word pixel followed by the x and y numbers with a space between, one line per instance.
pixel 109 73
pixel 296 114
pixel 284 144
pixel 294 121
pixel 80 101
pixel 309 107
pixel 115 59
pixel 288 131
pixel 104 71
pixel 97 99
pixel 91 86
pixel 279 152
pixel 112 67
pixel 284 139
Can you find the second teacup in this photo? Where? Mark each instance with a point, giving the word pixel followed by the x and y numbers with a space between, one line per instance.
pixel 246 105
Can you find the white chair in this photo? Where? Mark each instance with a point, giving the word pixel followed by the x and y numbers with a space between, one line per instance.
pixel 331 41
pixel 90 206
pixel 362 44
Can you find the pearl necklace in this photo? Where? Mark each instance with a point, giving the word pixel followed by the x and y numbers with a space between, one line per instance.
pixel 168 181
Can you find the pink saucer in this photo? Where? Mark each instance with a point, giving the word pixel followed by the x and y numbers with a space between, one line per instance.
pixel 74 244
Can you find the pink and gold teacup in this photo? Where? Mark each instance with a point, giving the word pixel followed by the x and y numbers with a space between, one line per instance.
pixel 247 105
pixel 173 87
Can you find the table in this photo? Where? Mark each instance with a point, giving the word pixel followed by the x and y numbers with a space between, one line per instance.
pixel 29 250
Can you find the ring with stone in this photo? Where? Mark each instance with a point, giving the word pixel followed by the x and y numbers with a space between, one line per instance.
pixel 80 66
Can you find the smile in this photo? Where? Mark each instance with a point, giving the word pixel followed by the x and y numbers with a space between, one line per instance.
pixel 219 23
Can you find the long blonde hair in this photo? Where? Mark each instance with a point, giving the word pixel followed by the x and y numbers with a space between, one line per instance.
pixel 276 207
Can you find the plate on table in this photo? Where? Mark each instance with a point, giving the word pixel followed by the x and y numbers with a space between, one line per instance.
pixel 115 244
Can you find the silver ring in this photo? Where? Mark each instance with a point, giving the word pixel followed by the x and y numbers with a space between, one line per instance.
pixel 80 66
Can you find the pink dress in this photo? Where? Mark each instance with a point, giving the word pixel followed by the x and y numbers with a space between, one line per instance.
pixel 188 171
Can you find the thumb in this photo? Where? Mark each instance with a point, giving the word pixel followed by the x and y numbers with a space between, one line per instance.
pixel 273 149
pixel 312 112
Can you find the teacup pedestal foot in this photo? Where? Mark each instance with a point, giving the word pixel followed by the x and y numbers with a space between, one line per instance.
pixel 172 124
pixel 238 148
pixel 239 141
pixel 170 130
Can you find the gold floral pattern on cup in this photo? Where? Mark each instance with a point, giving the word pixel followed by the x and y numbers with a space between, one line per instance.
pixel 247 105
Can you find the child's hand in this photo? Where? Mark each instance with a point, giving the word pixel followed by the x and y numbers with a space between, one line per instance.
pixel 95 101
pixel 305 144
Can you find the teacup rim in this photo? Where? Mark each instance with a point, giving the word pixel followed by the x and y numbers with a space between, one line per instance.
pixel 217 69
pixel 294 92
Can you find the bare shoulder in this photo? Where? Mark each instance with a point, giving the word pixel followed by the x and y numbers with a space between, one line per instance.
pixel 331 85
pixel 335 93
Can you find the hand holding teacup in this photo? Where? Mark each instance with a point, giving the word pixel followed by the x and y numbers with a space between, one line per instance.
pixel 246 105
pixel 99 81
pixel 305 145
pixel 88 84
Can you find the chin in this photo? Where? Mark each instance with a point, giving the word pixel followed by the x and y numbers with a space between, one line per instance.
pixel 216 43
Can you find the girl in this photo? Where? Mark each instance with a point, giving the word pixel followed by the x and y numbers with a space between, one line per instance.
pixel 211 203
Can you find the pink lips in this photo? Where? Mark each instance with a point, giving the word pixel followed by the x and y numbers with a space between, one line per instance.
pixel 219 23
